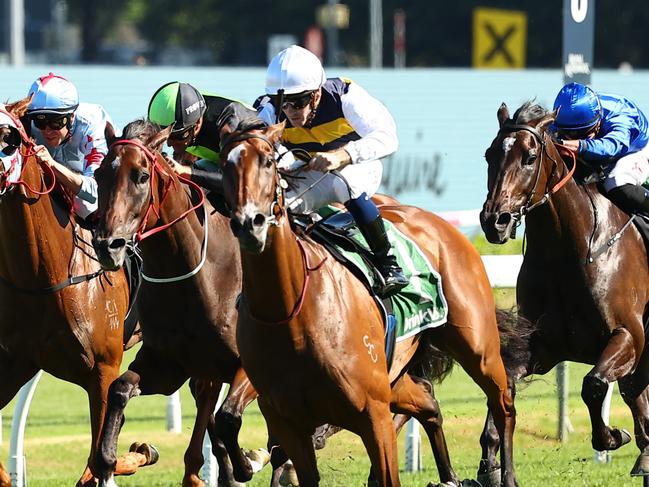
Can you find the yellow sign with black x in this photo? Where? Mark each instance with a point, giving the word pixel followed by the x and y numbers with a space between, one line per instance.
pixel 499 38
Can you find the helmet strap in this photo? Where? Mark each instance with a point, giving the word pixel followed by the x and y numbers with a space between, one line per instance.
pixel 312 108
pixel 279 101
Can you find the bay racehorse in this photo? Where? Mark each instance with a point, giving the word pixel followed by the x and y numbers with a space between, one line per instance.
pixel 58 311
pixel 584 281
pixel 304 318
pixel 187 301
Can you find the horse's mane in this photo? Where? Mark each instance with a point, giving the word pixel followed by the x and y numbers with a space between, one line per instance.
pixel 528 112
pixel 140 129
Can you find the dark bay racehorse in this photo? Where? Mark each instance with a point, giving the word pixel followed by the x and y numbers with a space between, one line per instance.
pixel 189 321
pixel 585 292
pixel 304 318
pixel 73 331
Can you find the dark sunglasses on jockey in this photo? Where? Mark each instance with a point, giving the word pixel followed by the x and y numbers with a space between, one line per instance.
pixel 182 134
pixel 52 122
pixel 9 140
pixel 297 102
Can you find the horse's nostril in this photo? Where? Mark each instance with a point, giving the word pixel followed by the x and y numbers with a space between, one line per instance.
pixel 117 243
pixel 504 219
pixel 259 220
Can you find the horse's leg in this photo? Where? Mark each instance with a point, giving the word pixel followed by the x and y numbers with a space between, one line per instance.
pixel 149 373
pixel 415 397
pixel 227 422
pixel 101 378
pixel 635 393
pixel 616 361
pixel 380 440
pixel 297 444
pixel 480 357
pixel 14 374
pixel 206 394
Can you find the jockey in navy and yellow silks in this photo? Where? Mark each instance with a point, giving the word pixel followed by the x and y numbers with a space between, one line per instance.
pixel 344 129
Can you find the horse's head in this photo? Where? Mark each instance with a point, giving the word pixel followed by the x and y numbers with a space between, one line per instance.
pixel 125 182
pixel 252 184
pixel 12 139
pixel 521 162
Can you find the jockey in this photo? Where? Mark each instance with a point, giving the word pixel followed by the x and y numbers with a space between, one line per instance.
pixel 604 128
pixel 343 129
pixel 197 118
pixel 70 137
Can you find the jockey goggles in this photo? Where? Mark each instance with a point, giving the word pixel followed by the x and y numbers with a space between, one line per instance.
pixel 183 134
pixel 297 102
pixel 53 123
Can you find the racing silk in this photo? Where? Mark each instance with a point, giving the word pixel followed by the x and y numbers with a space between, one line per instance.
pixel 207 144
pixel 82 152
pixel 624 130
pixel 348 117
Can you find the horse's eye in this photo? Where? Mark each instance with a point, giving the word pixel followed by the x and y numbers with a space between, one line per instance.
pixel 531 157
pixel 144 177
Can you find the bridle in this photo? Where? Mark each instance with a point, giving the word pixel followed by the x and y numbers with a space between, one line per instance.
pixel 159 171
pixel 277 207
pixel 542 139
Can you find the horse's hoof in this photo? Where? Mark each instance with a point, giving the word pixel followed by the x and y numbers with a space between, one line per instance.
pixel 258 458
pixel 289 476
pixel 150 452
pixel 641 467
pixel 490 479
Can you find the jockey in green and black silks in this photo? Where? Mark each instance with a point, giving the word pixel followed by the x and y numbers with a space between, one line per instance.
pixel 197 118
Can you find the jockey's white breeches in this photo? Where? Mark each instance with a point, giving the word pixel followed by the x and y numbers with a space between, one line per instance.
pixel 631 169
pixel 364 177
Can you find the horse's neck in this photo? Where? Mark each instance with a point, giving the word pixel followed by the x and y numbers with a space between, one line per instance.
pixel 562 226
pixel 273 280
pixel 34 235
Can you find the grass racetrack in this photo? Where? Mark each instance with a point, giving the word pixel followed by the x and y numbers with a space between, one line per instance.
pixel 57 438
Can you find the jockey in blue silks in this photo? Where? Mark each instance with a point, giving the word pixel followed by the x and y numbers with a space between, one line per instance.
pixel 611 130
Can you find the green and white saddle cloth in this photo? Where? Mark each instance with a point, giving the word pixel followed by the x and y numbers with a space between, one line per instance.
pixel 421 304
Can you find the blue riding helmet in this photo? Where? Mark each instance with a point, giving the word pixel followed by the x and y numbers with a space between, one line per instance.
pixel 579 108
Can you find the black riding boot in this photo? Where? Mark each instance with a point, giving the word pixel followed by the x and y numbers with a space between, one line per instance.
pixel 631 198
pixel 377 239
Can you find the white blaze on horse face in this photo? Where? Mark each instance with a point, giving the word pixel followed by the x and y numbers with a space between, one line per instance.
pixel 235 154
pixel 508 143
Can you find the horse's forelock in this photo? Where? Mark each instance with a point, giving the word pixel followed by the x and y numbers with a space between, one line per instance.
pixel 529 112
pixel 140 129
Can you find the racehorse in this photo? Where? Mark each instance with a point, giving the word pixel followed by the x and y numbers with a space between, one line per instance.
pixel 305 318
pixel 58 311
pixel 584 281
pixel 187 302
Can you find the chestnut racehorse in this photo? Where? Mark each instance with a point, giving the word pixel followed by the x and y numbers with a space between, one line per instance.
pixel 304 318
pixel 584 281
pixel 73 331
pixel 188 317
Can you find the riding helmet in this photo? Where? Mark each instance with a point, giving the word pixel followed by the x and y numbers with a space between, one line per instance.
pixel 52 95
pixel 294 70
pixel 176 103
pixel 579 107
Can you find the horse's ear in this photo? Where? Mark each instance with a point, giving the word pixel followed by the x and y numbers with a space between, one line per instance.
pixel 274 132
pixel 542 126
pixel 109 134
pixel 19 108
pixel 503 114
pixel 156 140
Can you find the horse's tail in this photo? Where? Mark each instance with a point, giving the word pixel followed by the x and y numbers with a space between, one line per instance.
pixel 515 332
pixel 431 363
